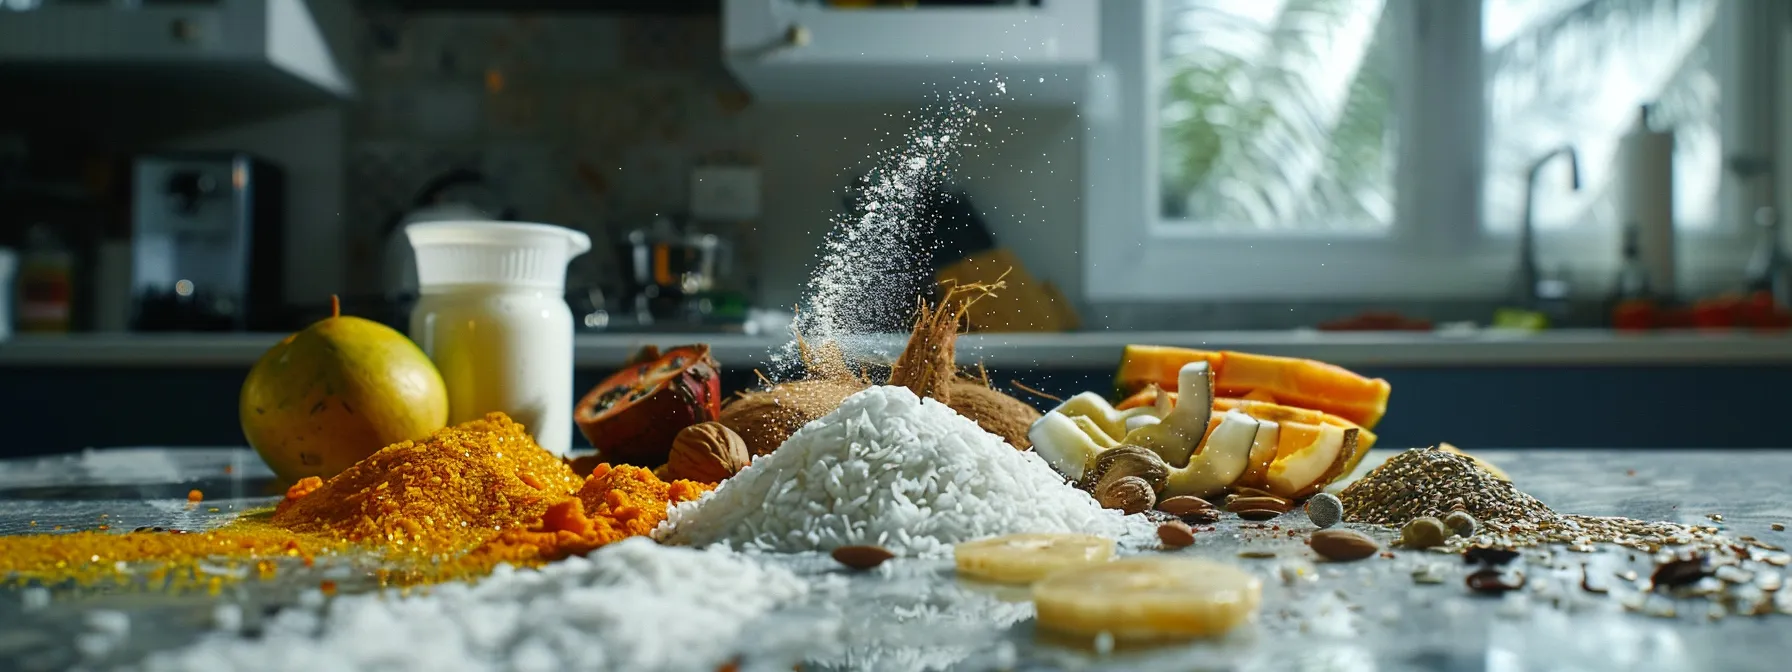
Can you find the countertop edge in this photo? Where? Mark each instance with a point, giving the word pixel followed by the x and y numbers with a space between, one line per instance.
pixel 1083 350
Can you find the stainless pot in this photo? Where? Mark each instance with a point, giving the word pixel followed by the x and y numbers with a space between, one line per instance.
pixel 671 269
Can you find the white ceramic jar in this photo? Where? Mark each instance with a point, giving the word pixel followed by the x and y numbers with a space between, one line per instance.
pixel 492 315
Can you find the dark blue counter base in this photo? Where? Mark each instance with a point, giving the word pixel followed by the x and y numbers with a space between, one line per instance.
pixel 58 410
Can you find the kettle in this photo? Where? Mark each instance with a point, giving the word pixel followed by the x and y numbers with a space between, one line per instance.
pixel 458 195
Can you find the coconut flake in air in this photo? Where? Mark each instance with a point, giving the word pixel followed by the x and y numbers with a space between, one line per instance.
pixel 892 469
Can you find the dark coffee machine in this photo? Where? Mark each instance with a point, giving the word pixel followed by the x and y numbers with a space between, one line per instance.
pixel 206 235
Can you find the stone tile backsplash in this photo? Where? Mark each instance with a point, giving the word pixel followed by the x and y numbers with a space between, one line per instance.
pixel 587 121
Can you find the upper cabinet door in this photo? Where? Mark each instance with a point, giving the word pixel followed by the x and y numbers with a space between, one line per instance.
pixel 816 50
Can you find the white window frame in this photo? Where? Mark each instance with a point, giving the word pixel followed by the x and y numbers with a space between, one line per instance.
pixel 1130 254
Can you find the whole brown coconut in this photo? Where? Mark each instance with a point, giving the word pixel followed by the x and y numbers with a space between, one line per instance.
pixel 764 419
pixel 995 412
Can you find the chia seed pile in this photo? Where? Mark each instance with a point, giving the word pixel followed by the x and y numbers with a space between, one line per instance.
pixel 1435 482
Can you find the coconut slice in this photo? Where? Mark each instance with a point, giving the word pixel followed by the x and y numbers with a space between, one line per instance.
pixel 1064 445
pixel 1223 458
pixel 1090 405
pixel 1263 453
pixel 1181 431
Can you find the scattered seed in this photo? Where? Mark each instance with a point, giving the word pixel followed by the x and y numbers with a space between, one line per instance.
pixel 1325 510
pixel 1424 532
pixel 1778 527
pixel 1277 504
pixel 1488 555
pixel 1588 584
pixel 1678 573
pixel 1259 515
pixel 1492 581
pixel 1733 575
pixel 862 557
pixel 1463 524
pixel 1247 491
pixel 1184 505
pixel 1175 534
pixel 1428 573
pixel 1258 555
pixel 1203 517
pixel 1717 517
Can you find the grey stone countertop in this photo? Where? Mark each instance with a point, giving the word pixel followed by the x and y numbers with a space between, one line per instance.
pixel 1081 350
pixel 913 615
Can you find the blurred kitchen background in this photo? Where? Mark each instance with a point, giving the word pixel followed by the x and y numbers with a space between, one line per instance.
pixel 1550 223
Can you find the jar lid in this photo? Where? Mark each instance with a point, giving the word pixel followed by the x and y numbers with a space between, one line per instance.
pixel 511 254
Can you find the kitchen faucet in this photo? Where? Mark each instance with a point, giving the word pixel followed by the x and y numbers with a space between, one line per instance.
pixel 1528 282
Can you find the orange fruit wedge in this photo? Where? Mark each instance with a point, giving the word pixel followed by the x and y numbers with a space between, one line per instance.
pixel 1288 381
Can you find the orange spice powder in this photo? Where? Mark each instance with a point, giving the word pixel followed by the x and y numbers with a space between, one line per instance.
pixel 445 494
pixel 615 503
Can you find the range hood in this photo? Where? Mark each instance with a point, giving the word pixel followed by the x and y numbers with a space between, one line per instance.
pixel 171 65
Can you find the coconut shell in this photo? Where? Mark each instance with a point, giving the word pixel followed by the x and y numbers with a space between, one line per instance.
pixel 764 419
pixel 995 412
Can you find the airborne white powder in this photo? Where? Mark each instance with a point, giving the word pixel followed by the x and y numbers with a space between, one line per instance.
pixel 632 605
pixel 892 469
pixel 874 262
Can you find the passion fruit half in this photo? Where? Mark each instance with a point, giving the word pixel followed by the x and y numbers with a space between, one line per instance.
pixel 633 415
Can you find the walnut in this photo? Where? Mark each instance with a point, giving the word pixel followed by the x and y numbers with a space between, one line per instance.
pixel 1127 460
pixel 706 452
pixel 1129 494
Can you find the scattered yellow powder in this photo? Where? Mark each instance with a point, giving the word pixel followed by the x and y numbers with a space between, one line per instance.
pixel 164 558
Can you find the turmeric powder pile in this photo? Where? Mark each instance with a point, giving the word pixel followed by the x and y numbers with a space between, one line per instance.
pixel 441 495
pixel 451 506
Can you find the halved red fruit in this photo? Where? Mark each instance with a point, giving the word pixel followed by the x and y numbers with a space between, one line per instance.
pixel 633 415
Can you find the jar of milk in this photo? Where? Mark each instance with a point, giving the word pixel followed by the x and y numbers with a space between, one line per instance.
pixel 492 315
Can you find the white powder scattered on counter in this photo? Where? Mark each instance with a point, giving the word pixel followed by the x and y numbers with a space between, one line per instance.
pixel 632 605
pixel 892 469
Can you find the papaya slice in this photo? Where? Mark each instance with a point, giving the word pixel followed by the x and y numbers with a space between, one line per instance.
pixel 1260 395
pixel 1307 470
pixel 1144 365
pixel 1287 381
pixel 1306 384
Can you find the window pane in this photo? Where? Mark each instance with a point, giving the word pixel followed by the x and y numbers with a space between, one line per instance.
pixel 1576 72
pixel 1276 114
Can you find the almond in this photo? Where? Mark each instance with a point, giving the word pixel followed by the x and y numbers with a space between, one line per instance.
pixel 706 452
pixel 1277 504
pixel 1342 545
pixel 862 557
pixel 1184 505
pixel 1175 534
pixel 1259 515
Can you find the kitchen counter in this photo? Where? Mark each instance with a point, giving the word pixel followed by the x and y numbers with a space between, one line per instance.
pixel 1367 615
pixel 1081 350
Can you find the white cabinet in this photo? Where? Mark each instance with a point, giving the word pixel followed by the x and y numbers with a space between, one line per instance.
pixel 797 50
pixel 165 65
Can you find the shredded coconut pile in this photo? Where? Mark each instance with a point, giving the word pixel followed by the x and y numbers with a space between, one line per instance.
pixel 632 605
pixel 892 469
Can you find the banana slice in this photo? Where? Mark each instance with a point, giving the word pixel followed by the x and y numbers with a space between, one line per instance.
pixel 1148 598
pixel 1025 558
